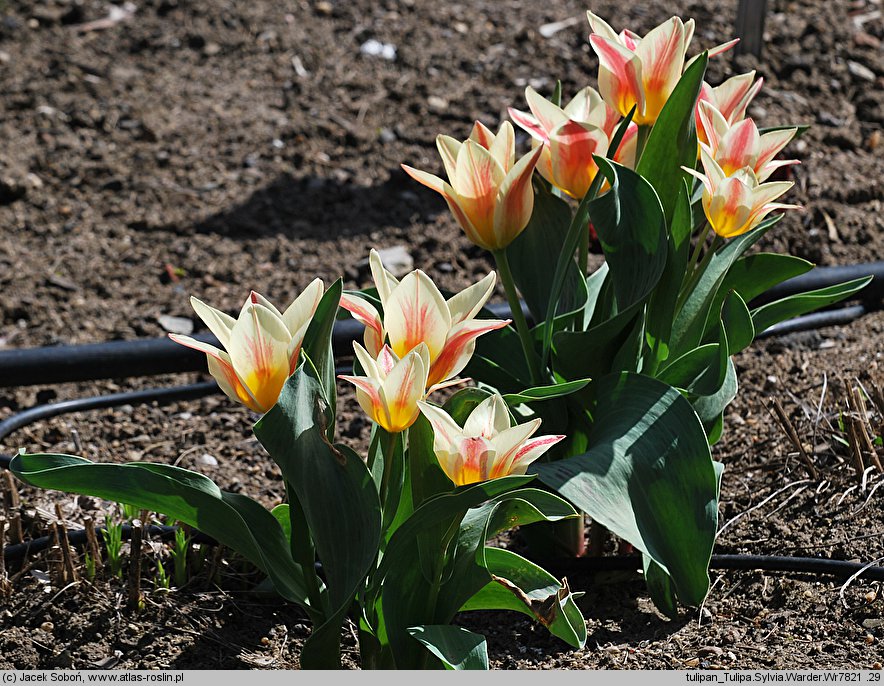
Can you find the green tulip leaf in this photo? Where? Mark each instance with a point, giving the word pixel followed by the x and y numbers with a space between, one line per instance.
pixel 647 476
pixel 773 313
pixel 457 648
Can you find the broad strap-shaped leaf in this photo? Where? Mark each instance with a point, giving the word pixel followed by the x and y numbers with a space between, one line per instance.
pixel 802 303
pixel 317 345
pixel 534 254
pixel 753 275
pixel 661 307
pixel 579 225
pixel 737 322
pixel 672 143
pixel 632 232
pixel 233 520
pixel 710 408
pixel 533 395
pixel 691 319
pixel 335 491
pixel 399 588
pixel 520 585
pixel 647 476
pixel 629 221
pixel 457 648
pixel 660 587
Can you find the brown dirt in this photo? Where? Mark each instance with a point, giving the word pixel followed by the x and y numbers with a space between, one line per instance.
pixel 211 148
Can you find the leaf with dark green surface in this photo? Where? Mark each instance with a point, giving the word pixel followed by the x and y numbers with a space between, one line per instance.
pixel 456 647
pixel 647 476
pixel 317 346
pixel 672 143
pixel 233 520
pixel 534 254
pixel 347 536
pixel 532 395
pixel 795 305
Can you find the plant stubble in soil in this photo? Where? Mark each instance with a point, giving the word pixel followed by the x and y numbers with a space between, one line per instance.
pixel 206 151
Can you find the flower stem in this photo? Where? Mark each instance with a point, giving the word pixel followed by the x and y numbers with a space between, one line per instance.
pixel 509 286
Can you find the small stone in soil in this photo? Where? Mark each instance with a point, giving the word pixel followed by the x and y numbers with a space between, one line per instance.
pixel 374 48
pixel 208 460
pixel 180 325
pixel 396 259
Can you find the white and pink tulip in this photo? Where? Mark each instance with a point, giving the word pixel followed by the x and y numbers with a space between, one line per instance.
pixel 488 191
pixel 261 347
pixel 487 447
pixel 415 312
pixel 570 136
pixel 642 71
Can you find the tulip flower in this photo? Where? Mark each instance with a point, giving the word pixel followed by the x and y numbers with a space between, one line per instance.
pixel 570 136
pixel 415 312
pixel 740 145
pixel 731 98
pixel 392 387
pixel 487 447
pixel 261 346
pixel 736 203
pixel 488 191
pixel 642 72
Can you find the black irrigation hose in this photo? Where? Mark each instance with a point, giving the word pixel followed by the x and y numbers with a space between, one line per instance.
pixel 146 357
pixel 121 359
pixel 560 566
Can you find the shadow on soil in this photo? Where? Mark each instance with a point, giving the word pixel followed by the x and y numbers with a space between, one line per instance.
pixel 323 209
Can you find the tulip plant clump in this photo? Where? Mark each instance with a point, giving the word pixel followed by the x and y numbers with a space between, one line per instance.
pixel 628 370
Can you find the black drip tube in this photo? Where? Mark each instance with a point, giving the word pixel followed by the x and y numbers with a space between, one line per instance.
pixel 122 359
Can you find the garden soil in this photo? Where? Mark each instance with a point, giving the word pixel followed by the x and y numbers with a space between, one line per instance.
pixel 166 148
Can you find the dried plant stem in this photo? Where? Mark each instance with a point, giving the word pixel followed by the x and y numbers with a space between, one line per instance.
pixel 16 534
pixel 67 555
pixel 862 428
pixel 792 434
pixel 5 586
pixel 55 557
pixel 92 544
pixel 10 496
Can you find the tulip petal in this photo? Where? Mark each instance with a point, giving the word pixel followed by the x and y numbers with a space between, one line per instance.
pixel 367 362
pixel 365 313
pixel 509 441
pixel 466 304
pixel 416 313
pixel 448 149
pixel 447 434
pixel 730 207
pixel 259 351
pixel 620 76
pixel 301 311
pixel 503 146
pixel 404 387
pixel 739 147
pixel 478 457
pixel 714 173
pixel 628 149
pixel 572 145
pixel 529 452
pixel 530 124
pixel 488 418
pixel 548 114
pixel 221 368
pixel 771 143
pixel 482 135
pixel 384 281
pixel 219 323
pixel 713 124
pixel 661 53
pixel 601 27
pixel 733 96
pixel 459 347
pixel 515 200
pixel 369 395
pixel 767 192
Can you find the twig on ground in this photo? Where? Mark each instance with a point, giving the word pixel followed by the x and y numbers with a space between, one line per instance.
pixel 761 504
pixel 792 434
